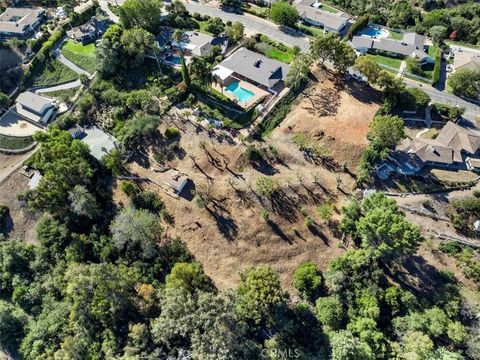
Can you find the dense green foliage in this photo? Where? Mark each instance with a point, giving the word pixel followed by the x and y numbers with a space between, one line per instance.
pixel 465 82
pixel 283 13
pixel 144 14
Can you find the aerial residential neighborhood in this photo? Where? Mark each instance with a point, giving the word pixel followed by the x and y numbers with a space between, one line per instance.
pixel 230 179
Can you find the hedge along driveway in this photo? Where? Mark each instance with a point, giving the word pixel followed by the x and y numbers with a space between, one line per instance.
pixel 81 55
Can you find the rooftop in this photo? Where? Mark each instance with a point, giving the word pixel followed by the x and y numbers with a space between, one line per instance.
pixel 99 142
pixel 255 67
pixel 467 59
pixel 332 20
pixel 14 20
pixel 33 101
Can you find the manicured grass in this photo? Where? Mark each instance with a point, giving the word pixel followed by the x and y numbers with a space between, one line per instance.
pixel 328 8
pixel 14 143
pixel 53 73
pixel 274 53
pixel 258 10
pixel 387 61
pixel 83 56
pixel 63 95
pixel 202 25
pixel 395 35
pixel 310 29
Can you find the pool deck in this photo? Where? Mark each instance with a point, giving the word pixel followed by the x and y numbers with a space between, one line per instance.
pixel 258 93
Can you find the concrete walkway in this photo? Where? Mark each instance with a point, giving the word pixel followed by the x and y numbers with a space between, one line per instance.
pixel 401 69
pixel 66 86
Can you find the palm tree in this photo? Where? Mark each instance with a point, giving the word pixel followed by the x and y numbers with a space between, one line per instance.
pixel 202 71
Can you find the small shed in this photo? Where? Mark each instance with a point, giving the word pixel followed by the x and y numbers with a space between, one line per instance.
pixel 175 180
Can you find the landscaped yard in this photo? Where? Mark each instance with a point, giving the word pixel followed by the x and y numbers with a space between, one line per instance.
pixel 53 73
pixel 395 35
pixel 274 50
pixel 14 143
pixel 64 96
pixel 81 55
pixel 310 29
pixel 328 8
pixel 387 61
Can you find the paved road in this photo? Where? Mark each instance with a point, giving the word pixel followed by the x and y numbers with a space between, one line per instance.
pixel 104 6
pixel 254 24
pixel 66 86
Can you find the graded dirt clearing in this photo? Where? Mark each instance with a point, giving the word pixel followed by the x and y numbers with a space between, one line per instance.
pixel 228 235
pixel 336 114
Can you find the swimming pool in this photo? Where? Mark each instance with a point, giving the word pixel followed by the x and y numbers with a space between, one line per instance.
pixel 173 59
pixel 240 93
pixel 373 31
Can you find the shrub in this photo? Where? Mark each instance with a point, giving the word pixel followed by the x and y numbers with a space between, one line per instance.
pixel 128 187
pixel 172 133
pixel 4 212
pixel 438 66
pixel 358 25
pixel 148 200
pixel 307 279
pixel 264 215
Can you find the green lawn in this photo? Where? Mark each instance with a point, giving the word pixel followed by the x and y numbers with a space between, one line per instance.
pixel 387 61
pixel 259 10
pixel 395 35
pixel 53 73
pixel 274 53
pixel 63 95
pixel 202 25
pixel 83 56
pixel 328 8
pixel 310 29
pixel 14 143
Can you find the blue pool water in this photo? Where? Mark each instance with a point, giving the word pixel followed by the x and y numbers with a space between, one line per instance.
pixel 373 31
pixel 240 93
pixel 173 59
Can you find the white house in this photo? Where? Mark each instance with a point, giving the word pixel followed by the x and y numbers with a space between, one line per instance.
pixel 36 108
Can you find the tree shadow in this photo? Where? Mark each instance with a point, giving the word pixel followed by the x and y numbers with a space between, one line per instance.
pixel 226 225
pixel 276 229
pixel 284 206
pixel 316 231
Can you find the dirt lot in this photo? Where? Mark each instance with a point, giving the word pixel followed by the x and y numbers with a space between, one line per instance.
pixel 228 235
pixel 338 114
pixel 21 225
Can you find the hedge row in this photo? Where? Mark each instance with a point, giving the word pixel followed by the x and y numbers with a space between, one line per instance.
pixel 438 66
pixel 361 22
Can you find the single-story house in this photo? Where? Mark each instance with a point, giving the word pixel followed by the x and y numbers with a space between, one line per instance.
pixel 193 42
pixel 200 44
pixel 175 180
pixel 36 108
pixel 451 148
pixel 20 22
pixel 252 67
pixel 466 60
pixel 311 13
pixel 412 45
pixel 89 31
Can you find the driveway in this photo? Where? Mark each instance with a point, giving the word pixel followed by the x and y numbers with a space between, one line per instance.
pixel 56 51
pixel 104 6
pixel 65 86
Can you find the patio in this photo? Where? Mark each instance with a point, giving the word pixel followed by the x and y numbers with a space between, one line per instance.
pixel 258 93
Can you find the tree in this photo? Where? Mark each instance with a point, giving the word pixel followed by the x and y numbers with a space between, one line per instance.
pixel 201 70
pixel 368 67
pixel 393 87
pixel 145 14
pixel 330 47
pixel 136 232
pixel 307 279
pixel 299 69
pixel 381 226
pixel 259 293
pixel 64 163
pixel 13 321
pixel 283 13
pixel 179 37
pixel 325 212
pixel 215 26
pixel 266 186
pixel 345 346
pixel 232 3
pixel 235 32
pixel 386 130
pixel 418 97
pixel 189 277
pixel 438 33
pixel 413 65
pixel 417 345
pixel 113 161
pixel 4 101
pixel 135 44
pixel 83 203
pixel 330 312
pixel 465 82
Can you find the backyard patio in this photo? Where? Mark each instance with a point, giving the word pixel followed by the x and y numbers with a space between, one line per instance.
pixel 241 92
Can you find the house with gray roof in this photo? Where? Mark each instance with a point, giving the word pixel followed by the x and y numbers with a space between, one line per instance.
pixel 412 45
pixel 90 31
pixel 20 23
pixel 252 67
pixel 452 148
pixel 311 13
pixel 35 108
pixel 200 44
